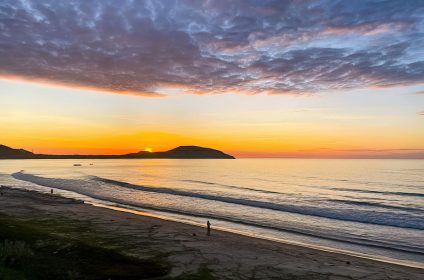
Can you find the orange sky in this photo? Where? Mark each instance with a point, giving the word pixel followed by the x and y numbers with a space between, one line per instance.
pixel 57 120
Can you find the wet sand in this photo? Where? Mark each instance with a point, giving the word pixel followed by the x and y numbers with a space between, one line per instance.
pixel 187 248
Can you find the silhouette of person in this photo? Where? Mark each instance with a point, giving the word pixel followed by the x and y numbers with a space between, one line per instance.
pixel 51 191
pixel 208 224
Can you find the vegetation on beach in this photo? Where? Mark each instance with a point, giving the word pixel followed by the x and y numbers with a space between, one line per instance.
pixel 29 251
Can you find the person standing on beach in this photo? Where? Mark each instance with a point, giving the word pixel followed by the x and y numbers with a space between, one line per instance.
pixel 208 224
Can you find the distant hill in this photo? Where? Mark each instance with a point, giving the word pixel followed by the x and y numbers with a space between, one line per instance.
pixel 181 152
pixel 7 152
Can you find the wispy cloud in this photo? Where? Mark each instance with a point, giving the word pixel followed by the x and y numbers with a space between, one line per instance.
pixel 250 47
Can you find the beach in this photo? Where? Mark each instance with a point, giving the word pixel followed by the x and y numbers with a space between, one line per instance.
pixel 186 248
pixel 185 140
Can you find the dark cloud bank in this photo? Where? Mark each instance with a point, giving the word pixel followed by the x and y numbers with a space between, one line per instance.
pixel 159 47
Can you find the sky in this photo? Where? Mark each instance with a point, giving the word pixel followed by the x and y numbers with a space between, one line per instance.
pixel 251 78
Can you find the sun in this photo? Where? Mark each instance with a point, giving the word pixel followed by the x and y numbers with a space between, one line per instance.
pixel 148 150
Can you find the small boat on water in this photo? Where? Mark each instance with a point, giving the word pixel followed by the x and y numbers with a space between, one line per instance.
pixel 77 164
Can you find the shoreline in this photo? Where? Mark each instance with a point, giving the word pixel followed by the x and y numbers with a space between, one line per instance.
pixel 158 214
pixel 254 236
pixel 187 247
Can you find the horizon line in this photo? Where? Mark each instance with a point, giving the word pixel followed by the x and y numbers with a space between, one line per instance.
pixel 341 154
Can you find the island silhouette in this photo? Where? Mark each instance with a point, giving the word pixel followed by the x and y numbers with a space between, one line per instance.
pixel 181 152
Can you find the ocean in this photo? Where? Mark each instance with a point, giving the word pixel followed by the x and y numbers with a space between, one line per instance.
pixel 365 207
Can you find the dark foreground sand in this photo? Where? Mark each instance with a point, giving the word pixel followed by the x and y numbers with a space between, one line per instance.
pixel 226 255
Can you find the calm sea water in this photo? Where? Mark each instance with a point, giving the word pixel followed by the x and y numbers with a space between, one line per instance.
pixel 367 207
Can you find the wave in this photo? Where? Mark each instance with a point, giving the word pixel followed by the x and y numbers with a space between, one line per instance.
pixel 234 187
pixel 400 220
pixel 379 192
pixel 314 187
pixel 376 204
pixel 52 182
pixel 353 181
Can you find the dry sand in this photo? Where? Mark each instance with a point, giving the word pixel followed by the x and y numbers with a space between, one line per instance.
pixel 227 255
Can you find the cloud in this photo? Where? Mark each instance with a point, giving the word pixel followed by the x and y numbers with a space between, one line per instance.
pixel 371 28
pixel 159 47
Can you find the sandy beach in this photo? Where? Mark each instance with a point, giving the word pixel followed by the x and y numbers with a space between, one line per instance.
pixel 187 248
